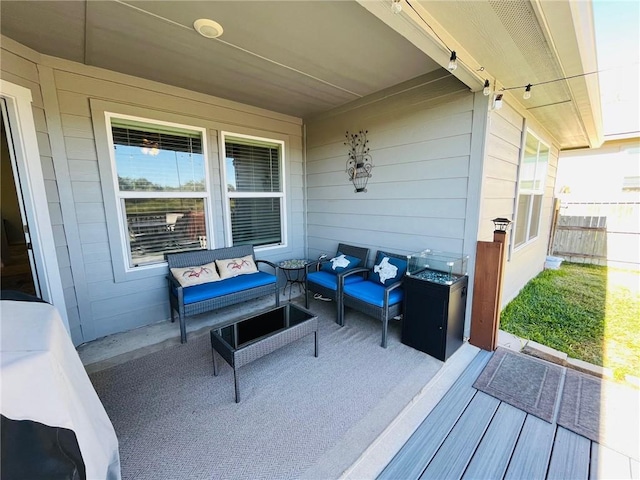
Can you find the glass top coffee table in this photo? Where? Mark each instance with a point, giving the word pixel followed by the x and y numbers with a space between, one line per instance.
pixel 258 335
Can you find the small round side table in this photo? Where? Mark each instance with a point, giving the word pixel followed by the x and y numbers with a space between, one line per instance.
pixel 295 272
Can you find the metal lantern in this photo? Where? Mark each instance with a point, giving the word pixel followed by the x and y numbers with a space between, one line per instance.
pixel 501 224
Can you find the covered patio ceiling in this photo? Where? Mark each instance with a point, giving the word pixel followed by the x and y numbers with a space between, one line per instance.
pixel 303 58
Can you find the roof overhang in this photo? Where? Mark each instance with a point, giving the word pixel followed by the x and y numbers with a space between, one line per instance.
pixel 303 58
pixel 549 44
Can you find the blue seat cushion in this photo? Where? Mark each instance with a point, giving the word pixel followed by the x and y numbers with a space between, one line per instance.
pixel 387 269
pixel 330 280
pixel 373 293
pixel 206 291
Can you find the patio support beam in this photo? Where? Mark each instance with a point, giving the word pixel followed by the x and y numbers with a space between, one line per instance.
pixel 410 24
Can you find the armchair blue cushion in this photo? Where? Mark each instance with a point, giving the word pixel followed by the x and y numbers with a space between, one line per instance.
pixel 372 292
pixel 380 294
pixel 330 280
pixel 324 280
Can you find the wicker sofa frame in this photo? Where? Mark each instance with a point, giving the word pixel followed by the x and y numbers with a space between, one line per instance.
pixel 384 313
pixel 201 257
pixel 336 295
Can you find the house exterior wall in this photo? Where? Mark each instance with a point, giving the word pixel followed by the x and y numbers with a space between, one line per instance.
pixel 68 97
pixel 500 190
pixel 423 190
pixel 420 140
pixel 444 166
pixel 18 65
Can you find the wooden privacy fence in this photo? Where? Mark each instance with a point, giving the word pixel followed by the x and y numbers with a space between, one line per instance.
pixel 598 233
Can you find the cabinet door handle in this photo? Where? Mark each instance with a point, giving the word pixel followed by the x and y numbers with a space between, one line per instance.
pixel 463 292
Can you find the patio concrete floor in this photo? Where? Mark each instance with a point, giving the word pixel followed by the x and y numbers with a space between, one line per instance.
pixel 119 348
pixel 123 347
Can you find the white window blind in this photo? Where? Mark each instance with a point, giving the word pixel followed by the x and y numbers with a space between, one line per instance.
pixel 254 190
pixel 162 189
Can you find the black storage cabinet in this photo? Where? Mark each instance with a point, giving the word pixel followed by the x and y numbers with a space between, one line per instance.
pixel 433 319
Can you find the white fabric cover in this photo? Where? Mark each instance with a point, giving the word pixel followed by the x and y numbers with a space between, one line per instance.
pixel 42 379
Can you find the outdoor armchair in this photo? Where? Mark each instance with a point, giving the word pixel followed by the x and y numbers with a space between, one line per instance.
pixel 380 294
pixel 323 277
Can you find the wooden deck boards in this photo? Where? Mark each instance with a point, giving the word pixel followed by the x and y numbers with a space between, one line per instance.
pixel 472 435
pixel 533 450
pixel 458 448
pixel 416 454
pixel 570 457
pixel 492 457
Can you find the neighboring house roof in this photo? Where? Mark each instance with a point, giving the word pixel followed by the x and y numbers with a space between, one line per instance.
pixel 303 58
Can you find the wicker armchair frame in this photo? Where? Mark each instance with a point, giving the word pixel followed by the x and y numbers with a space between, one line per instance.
pixel 201 257
pixel 336 295
pixel 384 313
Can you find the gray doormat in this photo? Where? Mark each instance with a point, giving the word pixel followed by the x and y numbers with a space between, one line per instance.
pixel 523 381
pixel 601 410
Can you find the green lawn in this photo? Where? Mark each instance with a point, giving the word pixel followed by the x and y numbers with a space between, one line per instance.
pixel 590 312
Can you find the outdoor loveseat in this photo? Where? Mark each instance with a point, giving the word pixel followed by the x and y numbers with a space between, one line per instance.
pixel 206 280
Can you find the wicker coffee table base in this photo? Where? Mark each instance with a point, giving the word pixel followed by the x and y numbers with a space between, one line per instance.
pixel 237 358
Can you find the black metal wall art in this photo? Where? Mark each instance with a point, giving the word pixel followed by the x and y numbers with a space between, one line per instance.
pixel 359 164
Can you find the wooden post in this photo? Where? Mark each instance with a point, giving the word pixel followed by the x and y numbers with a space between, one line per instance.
pixel 487 292
pixel 500 237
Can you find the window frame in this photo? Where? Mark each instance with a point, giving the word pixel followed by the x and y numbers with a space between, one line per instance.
pixel 531 193
pixel 227 195
pixel 119 196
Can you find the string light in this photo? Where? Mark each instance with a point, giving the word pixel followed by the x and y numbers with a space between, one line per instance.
pixel 453 61
pixel 497 101
pixel 396 6
pixel 528 86
pixel 486 91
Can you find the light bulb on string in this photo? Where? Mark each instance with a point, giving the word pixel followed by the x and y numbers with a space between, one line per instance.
pixel 486 91
pixel 497 101
pixel 453 62
pixel 527 92
pixel 396 6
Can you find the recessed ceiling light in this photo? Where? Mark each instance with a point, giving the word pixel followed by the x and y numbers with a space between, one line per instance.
pixel 208 28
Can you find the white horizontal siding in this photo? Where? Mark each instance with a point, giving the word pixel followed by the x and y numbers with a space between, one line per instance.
pixel 18 69
pixel 76 126
pixel 106 305
pixel 429 208
pixel 500 195
pixel 420 142
pixel 96 252
pixel 138 316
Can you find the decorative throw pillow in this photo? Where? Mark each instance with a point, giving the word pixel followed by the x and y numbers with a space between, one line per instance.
pixel 387 269
pixel 340 263
pixel 232 267
pixel 189 276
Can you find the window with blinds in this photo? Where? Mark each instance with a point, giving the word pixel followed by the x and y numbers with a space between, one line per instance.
pixel 533 172
pixel 161 188
pixel 254 190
